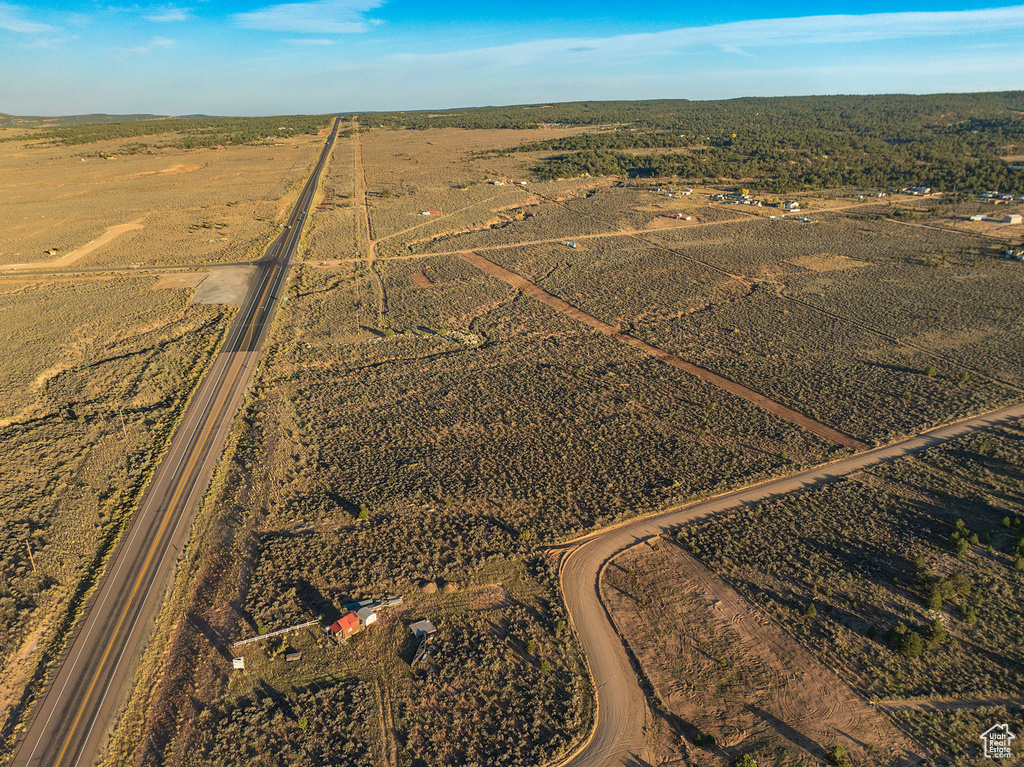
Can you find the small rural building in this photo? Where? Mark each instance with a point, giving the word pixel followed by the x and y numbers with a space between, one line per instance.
pixel 920 190
pixel 790 205
pixel 347 625
pixel 1013 218
pixel 366 616
pixel 978 217
pixel 422 628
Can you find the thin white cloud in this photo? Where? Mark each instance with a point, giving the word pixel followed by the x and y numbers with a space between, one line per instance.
pixel 310 41
pixel 12 19
pixel 740 37
pixel 155 43
pixel 317 17
pixel 169 13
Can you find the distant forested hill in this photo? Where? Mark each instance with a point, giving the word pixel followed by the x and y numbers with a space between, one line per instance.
pixel 13 121
pixel 192 132
pixel 946 141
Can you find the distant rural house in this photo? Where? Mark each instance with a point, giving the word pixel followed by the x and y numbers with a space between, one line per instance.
pixel 790 205
pixel 366 616
pixel 920 190
pixel 347 625
pixel 978 217
pixel 1013 218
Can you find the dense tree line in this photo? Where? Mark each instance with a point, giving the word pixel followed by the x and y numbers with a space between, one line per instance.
pixel 947 141
pixel 854 113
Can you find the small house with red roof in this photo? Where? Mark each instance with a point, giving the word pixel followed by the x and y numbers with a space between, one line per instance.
pixel 345 626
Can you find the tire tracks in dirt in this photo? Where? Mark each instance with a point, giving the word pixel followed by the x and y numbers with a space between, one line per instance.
pixel 946 704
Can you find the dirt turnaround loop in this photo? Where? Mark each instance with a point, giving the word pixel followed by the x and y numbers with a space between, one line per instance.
pixel 776 408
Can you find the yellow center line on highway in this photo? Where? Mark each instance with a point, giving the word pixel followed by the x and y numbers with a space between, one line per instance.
pixel 231 377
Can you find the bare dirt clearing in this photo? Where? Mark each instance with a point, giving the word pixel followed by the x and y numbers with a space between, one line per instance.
pixel 420 279
pixel 172 171
pixel 724 668
pixel 826 262
pixel 183 281
pixel 224 286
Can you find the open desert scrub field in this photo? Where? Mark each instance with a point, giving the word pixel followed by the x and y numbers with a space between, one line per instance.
pixel 94 376
pixel 905 579
pixel 114 202
pixel 419 426
pixel 872 327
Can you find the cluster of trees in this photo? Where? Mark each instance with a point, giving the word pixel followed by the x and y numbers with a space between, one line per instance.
pixel 911 643
pixel 781 160
pixel 193 133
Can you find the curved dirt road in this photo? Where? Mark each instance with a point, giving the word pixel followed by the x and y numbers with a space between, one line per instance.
pixel 619 737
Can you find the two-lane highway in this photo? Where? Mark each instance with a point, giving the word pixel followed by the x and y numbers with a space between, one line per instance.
pixel 70 723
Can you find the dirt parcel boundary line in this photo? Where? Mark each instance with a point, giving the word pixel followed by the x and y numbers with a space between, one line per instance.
pixel 521 283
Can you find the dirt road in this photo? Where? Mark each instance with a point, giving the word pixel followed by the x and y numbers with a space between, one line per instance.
pixel 618 737
pixel 74 256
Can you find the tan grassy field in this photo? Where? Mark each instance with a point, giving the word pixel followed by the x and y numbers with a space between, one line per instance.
pixel 409 172
pixel 195 206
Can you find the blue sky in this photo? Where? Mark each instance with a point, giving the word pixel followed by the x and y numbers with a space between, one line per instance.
pixel 353 55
